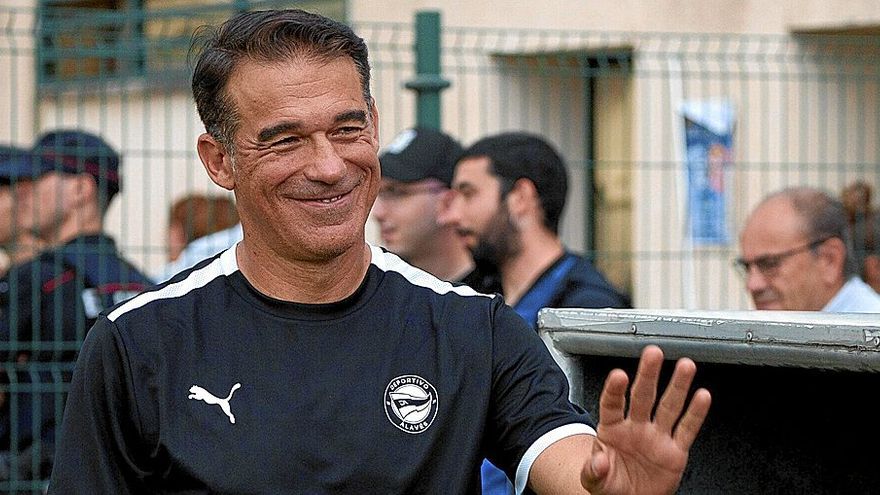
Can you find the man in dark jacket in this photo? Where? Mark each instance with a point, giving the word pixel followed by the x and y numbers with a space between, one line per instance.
pixel 510 194
pixel 62 190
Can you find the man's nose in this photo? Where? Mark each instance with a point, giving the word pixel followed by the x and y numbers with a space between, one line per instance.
pixel 450 211
pixel 380 209
pixel 327 165
pixel 755 280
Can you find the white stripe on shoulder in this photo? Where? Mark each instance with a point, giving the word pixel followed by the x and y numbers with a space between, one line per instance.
pixel 541 444
pixel 225 265
pixel 390 262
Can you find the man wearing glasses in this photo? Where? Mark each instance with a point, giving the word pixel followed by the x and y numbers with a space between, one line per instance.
pixel 417 169
pixel 794 256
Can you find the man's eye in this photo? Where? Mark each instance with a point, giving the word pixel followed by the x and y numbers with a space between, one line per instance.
pixel 767 263
pixel 348 131
pixel 285 141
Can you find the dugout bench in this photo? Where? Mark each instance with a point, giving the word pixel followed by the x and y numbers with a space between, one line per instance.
pixel 794 405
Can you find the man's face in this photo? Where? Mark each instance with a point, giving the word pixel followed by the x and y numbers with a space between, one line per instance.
pixel 305 169
pixel 479 213
pixel 407 215
pixel 783 272
pixel 44 202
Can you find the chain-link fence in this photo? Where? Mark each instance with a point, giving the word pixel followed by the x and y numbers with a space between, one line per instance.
pixel 670 139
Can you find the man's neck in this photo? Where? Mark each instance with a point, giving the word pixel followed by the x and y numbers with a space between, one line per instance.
pixel 304 281
pixel 538 252
pixel 77 223
pixel 447 261
pixel 830 293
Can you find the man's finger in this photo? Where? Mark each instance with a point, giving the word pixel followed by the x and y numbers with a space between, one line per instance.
pixel 692 421
pixel 644 389
pixel 596 469
pixel 612 402
pixel 674 397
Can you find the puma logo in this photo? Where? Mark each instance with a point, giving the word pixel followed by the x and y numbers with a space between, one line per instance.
pixel 198 393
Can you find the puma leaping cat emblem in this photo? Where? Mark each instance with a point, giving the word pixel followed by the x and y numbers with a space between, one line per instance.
pixel 198 393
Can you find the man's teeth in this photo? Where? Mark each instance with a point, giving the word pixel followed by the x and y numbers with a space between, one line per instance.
pixel 335 198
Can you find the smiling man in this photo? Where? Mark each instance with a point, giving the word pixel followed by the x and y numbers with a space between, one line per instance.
pixel 794 256
pixel 304 360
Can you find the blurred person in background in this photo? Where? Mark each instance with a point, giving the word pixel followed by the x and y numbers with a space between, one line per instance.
pixel 62 190
pixel 864 230
pixel 18 245
pixel 871 263
pixel 192 221
pixel 510 193
pixel 417 169
pixel 795 256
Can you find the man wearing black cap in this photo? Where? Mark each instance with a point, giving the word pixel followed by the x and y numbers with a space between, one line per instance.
pixel 417 168
pixel 63 188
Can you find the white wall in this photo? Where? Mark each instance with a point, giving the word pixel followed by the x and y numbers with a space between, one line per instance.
pixel 780 118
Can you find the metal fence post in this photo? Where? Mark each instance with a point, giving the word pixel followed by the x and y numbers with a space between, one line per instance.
pixel 428 82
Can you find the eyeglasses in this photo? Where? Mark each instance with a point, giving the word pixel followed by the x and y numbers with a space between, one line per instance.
pixel 398 192
pixel 769 264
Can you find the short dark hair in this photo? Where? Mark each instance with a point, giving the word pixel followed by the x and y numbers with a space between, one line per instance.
pixel 519 155
pixel 824 217
pixel 264 36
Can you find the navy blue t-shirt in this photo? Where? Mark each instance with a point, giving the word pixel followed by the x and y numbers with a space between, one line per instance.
pixel 47 305
pixel 207 385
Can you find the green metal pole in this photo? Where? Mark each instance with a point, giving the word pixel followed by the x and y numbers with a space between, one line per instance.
pixel 428 82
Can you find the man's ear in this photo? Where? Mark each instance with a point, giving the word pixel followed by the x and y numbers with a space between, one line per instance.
pixel 522 200
pixel 80 188
pixel 833 255
pixel 217 162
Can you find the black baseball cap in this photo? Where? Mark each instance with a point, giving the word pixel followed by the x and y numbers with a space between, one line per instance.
pixel 67 151
pixel 420 153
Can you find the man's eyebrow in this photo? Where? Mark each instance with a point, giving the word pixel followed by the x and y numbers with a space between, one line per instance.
pixel 269 133
pixel 353 115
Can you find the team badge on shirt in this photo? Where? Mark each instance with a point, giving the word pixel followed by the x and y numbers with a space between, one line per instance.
pixel 410 403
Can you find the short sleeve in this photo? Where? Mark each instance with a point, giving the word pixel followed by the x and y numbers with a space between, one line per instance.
pixel 529 394
pixel 99 444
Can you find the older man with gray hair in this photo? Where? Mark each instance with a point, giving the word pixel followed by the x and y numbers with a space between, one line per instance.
pixel 795 256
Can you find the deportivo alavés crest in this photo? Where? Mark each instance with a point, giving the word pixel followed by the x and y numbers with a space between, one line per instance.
pixel 410 403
